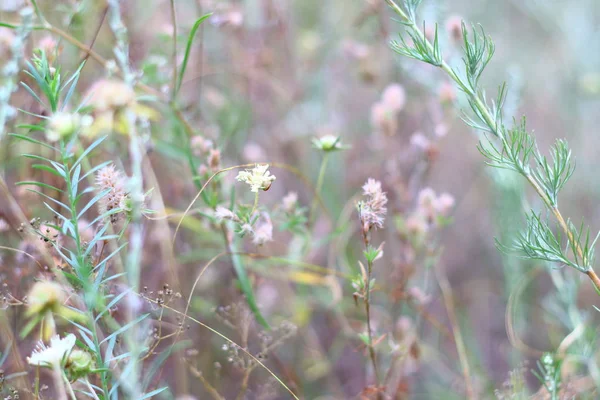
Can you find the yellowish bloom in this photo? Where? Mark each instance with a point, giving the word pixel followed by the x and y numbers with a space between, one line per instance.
pixel 111 101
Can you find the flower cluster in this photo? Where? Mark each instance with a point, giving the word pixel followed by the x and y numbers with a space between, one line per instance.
pixel 111 99
pixel 384 113
pixel 372 211
pixel 431 210
pixel 205 150
pixel 63 124
pixel 259 178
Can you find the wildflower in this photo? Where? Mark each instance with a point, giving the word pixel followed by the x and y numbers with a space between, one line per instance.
pixel 444 203
pixel 3 225
pixel 454 27
pixel 45 296
pixel 418 295
pixel 447 93
pixel 246 229
pixel 441 130
pixel 110 95
pixel 384 119
pixel 359 51
pixel 110 100
pixel 264 231
pixel 222 213
pixel 6 40
pixel 79 364
pixel 432 206
pixel 52 356
pixel 259 178
pixel 372 211
pixel 50 47
pixel 44 300
pixel 232 17
pixel 420 141
pixel 200 145
pixel 214 160
pixel 416 226
pixel 290 201
pixel 394 97
pixel 328 143
pixel 62 125
pixel 109 178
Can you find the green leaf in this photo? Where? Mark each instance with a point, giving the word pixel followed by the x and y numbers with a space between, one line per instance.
pixel 112 303
pixel 153 393
pixel 98 197
pixel 246 288
pixel 87 151
pixel 32 140
pixel 188 49
pixel 39 184
pixel 125 327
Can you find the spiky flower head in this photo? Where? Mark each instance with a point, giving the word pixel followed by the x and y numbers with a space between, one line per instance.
pixel 113 180
pixel 53 355
pixel 372 211
pixel 259 178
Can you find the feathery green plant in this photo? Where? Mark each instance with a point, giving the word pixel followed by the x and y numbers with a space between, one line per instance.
pixel 508 147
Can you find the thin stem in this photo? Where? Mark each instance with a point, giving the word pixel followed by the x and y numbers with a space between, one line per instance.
pixel 255 205
pixel 318 187
pixel 57 377
pixel 174 55
pixel 92 390
pixel 369 329
pixel 458 339
pixel 69 387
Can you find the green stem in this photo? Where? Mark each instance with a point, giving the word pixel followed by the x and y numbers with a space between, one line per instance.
pixel 369 329
pixel 255 205
pixel 485 113
pixel 69 387
pixel 318 187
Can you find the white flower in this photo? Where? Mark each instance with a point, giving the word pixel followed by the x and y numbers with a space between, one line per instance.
pixel 290 201
pixel 328 143
pixel 62 124
pixel 420 141
pixel 264 231
pixel 54 354
pixel 258 177
pixel 394 97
